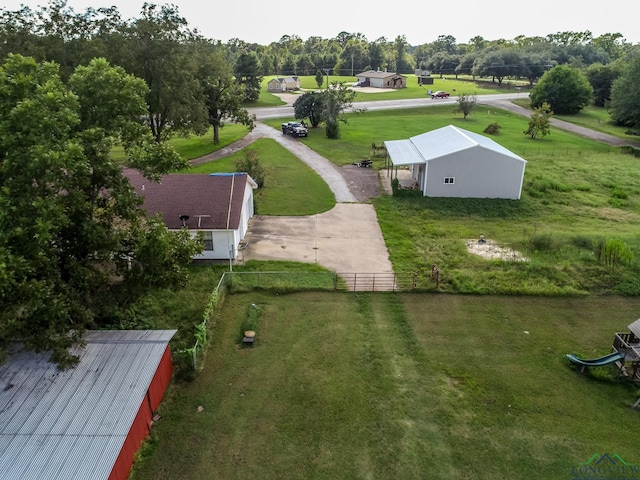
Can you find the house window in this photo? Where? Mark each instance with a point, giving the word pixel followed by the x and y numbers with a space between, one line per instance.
pixel 449 180
pixel 208 240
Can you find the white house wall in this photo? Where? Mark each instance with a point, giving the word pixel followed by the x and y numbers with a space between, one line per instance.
pixel 478 173
pixel 224 242
pixel 247 212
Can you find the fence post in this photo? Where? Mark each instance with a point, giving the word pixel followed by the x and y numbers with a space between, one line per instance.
pixel 195 354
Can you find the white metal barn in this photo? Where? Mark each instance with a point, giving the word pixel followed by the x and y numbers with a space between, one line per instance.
pixel 453 162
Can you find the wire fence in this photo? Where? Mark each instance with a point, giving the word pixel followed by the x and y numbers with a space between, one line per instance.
pixel 191 359
pixel 298 281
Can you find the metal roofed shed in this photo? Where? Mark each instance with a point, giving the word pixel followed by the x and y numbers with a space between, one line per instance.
pixel 453 162
pixel 86 422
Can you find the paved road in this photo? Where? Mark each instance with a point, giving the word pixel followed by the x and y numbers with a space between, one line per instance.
pixel 265 113
pixel 502 101
pixel 506 104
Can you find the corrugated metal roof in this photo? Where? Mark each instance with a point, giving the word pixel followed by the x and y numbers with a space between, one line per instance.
pixel 635 328
pixel 403 152
pixel 440 142
pixel 378 74
pixel 72 424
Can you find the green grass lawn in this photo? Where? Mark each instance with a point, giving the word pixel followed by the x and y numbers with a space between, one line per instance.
pixel 594 118
pixel 290 186
pixel 384 386
pixel 576 192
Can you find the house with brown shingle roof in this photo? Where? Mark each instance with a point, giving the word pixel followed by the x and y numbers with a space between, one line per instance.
pixel 218 205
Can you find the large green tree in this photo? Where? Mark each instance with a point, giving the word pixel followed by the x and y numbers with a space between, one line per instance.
pixel 159 52
pixel 223 96
pixel 565 89
pixel 247 71
pixel 75 245
pixel 601 78
pixel 625 95
pixel 309 105
pixel 335 101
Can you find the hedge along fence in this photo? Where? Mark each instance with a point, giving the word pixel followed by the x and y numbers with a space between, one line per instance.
pixel 187 360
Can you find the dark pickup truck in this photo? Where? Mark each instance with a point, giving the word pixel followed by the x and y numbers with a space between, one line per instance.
pixel 294 128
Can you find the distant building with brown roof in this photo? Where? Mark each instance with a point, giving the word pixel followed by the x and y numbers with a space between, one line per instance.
pixel 218 205
pixel 373 78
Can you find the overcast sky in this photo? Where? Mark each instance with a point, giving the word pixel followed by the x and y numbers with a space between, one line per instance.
pixel 263 21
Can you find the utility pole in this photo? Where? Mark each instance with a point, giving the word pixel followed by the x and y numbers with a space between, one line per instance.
pixel 326 71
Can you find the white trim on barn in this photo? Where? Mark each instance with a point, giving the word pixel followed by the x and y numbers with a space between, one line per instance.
pixel 481 167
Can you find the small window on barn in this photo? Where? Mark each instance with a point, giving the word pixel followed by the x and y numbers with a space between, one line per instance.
pixel 449 180
pixel 208 240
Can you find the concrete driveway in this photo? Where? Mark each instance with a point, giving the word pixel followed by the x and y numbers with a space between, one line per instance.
pixel 346 239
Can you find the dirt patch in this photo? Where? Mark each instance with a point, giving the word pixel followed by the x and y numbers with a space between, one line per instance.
pixel 494 251
pixel 363 182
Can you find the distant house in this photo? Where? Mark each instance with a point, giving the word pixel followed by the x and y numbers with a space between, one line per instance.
pixel 453 162
pixel 86 422
pixel 218 205
pixel 283 84
pixel 377 79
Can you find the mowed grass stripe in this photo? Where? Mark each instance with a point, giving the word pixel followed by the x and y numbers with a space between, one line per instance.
pixel 415 410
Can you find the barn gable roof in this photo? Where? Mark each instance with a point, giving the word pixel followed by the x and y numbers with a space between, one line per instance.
pixel 378 74
pixel 72 424
pixel 212 202
pixel 439 143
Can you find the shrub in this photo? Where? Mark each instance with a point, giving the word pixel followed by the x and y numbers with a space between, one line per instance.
pixel 492 129
pixel 619 193
pixel 543 242
pixel 251 320
pixel 251 165
pixel 582 241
